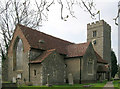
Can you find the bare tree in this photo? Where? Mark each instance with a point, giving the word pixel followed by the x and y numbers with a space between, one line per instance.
pixel 13 12
pixel 116 18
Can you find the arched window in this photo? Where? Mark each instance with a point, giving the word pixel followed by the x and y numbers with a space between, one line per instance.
pixel 18 54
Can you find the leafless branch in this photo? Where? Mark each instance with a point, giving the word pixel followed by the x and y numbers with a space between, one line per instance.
pixel 15 11
pixel 88 9
pixel 117 17
pixel 47 8
pixel 70 6
pixel 60 2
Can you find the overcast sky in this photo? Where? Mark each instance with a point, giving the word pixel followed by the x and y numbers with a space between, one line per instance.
pixel 75 30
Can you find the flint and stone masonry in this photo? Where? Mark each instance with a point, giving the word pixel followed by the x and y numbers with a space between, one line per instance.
pixel 37 58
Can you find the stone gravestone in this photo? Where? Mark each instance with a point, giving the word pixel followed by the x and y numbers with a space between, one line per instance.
pixel 19 76
pixel 70 79
pixel 14 80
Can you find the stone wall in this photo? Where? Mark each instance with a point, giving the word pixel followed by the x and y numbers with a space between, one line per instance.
pixel 98 27
pixel 25 69
pixel 54 69
pixel 24 72
pixel 34 53
pixel 107 44
pixel 18 33
pixel 73 67
pixel 36 74
pixel 5 70
pixel 103 38
pixel 89 55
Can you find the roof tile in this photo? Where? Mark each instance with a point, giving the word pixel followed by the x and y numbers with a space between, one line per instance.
pixel 42 57
pixel 100 59
pixel 48 41
pixel 40 40
pixel 75 50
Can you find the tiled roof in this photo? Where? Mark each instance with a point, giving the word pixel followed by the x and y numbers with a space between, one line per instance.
pixel 102 68
pixel 40 40
pixel 76 50
pixel 100 59
pixel 42 57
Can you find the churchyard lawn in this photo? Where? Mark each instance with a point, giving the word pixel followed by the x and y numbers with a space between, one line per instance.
pixel 97 85
pixel 116 84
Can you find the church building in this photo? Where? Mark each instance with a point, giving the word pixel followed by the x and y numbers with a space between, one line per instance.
pixel 39 58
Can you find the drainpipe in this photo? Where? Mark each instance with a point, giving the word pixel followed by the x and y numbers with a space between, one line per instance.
pixel 29 64
pixel 80 70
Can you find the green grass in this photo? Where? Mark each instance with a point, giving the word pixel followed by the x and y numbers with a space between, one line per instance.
pixel 77 86
pixel 81 85
pixel 116 84
pixel 6 82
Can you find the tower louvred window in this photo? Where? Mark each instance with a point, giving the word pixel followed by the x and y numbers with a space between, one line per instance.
pixel 94 33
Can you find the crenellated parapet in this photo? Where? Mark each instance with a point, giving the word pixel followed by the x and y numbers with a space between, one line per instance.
pixel 97 24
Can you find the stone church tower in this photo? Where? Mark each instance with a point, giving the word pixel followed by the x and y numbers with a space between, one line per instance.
pixel 99 33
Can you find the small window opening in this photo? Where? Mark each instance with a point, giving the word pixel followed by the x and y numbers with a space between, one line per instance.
pixel 65 65
pixel 94 33
pixel 35 73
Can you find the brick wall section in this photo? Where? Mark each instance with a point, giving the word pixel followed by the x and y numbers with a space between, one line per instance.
pixel 24 71
pixel 18 33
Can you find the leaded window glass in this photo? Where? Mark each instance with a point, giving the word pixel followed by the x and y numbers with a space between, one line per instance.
pixel 19 55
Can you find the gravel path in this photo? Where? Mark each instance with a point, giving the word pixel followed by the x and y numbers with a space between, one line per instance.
pixel 109 85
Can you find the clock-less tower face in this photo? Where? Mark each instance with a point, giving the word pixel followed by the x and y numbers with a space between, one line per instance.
pixel 99 34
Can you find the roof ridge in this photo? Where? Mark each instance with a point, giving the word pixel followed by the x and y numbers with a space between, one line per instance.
pixel 84 43
pixel 80 43
pixel 45 34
